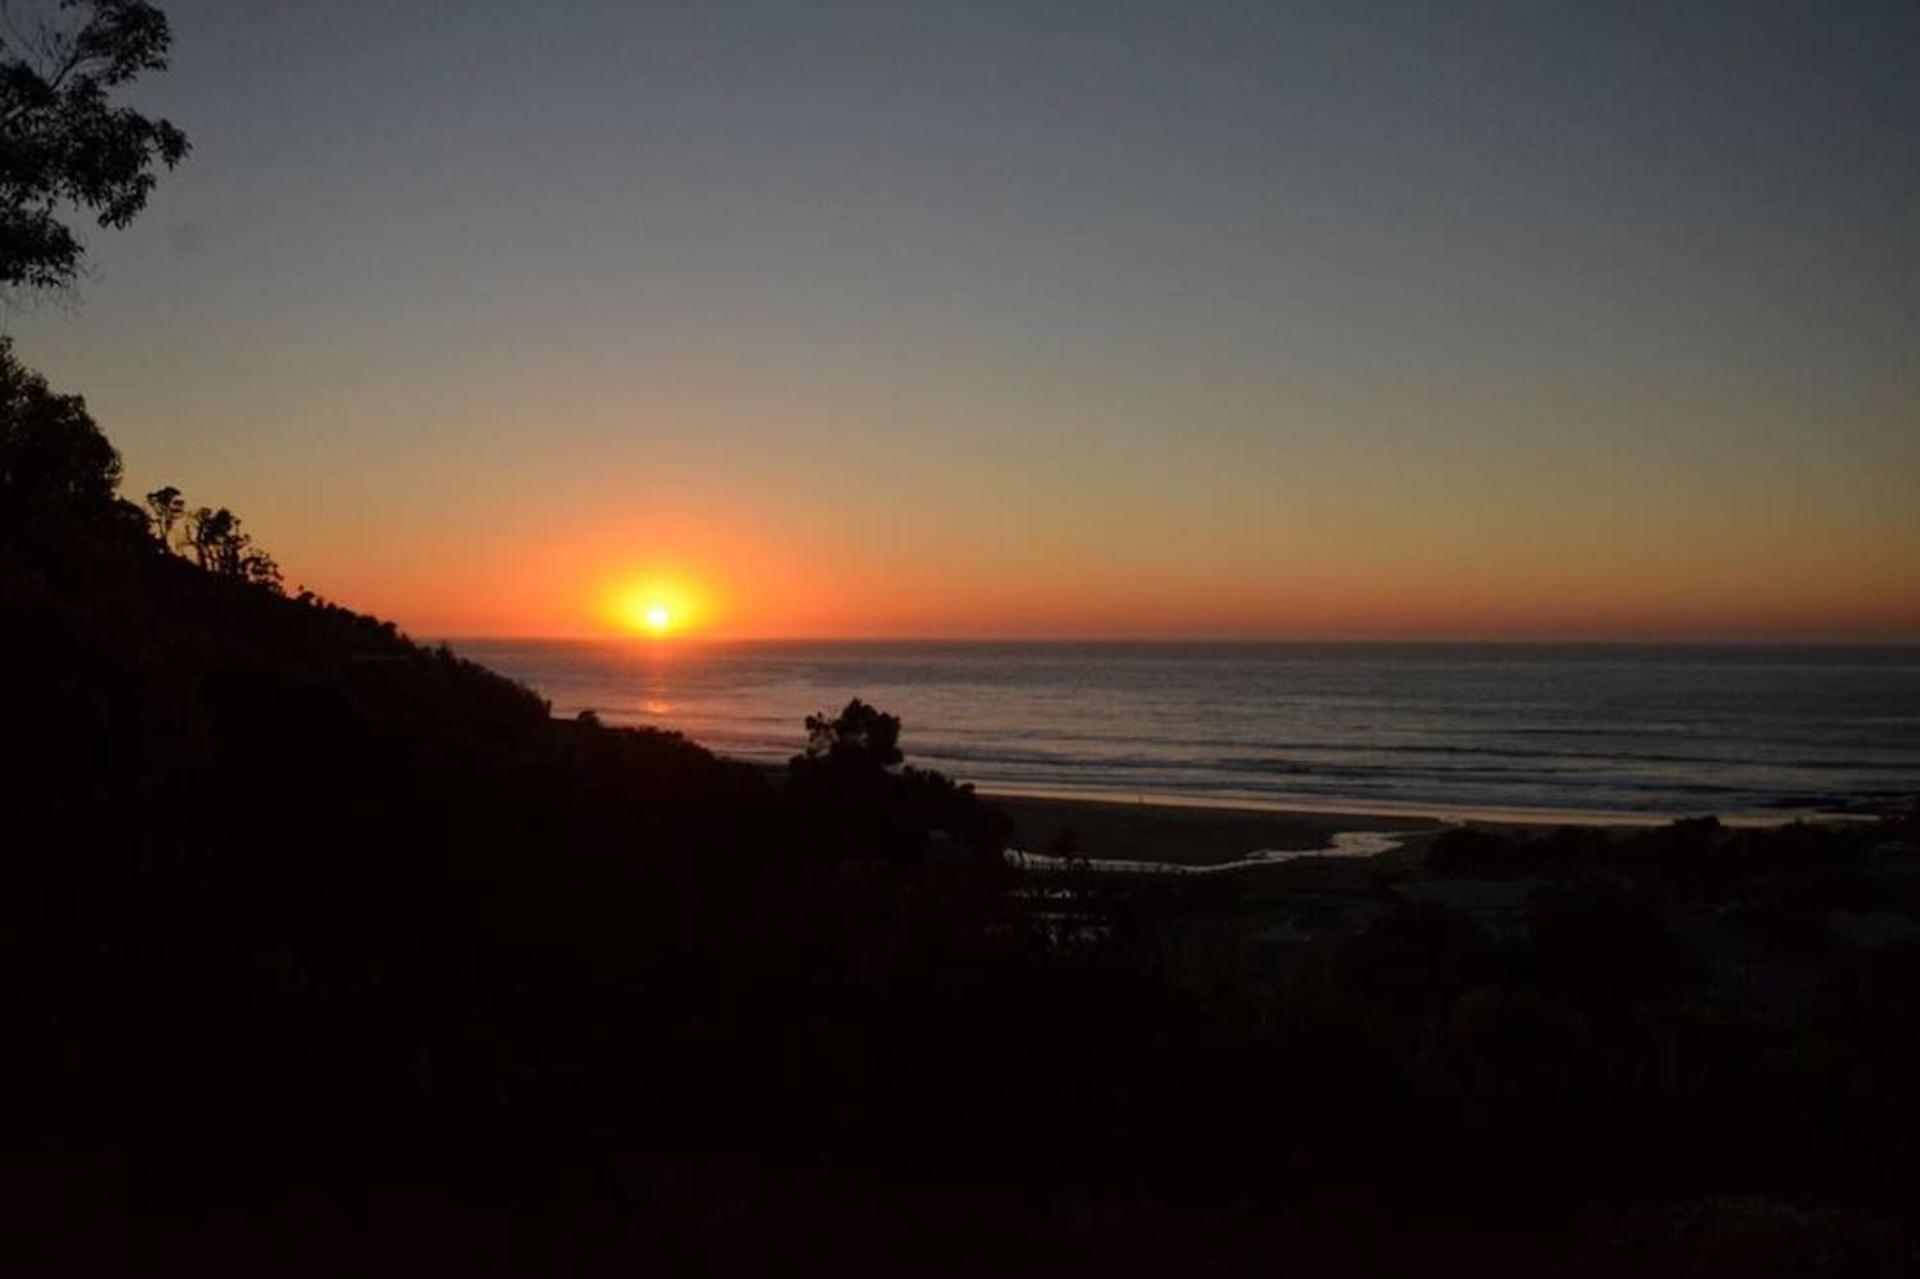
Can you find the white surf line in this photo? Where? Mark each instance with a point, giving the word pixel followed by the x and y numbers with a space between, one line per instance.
pixel 1346 843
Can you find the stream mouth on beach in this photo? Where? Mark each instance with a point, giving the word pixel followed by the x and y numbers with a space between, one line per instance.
pixel 1356 843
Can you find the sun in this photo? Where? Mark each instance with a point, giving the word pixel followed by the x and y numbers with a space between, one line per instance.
pixel 648 614
pixel 656 607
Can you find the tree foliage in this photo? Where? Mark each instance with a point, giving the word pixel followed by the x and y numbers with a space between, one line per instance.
pixel 64 144
pixel 166 509
pixel 861 737
pixel 217 544
pixel 55 464
pixel 857 800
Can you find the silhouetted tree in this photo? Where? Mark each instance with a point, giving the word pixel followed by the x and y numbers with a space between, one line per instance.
pixel 54 461
pixel 165 509
pixel 220 547
pixel 210 535
pixel 861 737
pixel 63 144
pixel 858 801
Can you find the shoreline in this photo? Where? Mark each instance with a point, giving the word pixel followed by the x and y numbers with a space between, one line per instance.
pixel 1141 832
pixel 1438 815
pixel 1144 835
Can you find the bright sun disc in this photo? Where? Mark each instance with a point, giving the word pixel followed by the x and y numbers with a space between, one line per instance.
pixel 658 608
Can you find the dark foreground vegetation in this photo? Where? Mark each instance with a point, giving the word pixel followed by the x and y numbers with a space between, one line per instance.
pixel 324 952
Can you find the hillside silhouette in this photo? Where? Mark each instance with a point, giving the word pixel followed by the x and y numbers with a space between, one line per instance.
pixel 327 951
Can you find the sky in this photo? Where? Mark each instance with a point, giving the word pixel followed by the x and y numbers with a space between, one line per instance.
pixel 1262 320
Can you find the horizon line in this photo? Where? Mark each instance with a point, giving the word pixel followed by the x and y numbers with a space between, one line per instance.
pixel 1377 641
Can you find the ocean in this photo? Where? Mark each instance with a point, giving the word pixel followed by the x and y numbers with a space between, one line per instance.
pixel 1601 731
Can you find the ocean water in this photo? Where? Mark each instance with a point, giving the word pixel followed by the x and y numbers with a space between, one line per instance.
pixel 1626 730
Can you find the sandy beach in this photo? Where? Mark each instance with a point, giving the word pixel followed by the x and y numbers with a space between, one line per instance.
pixel 1259 839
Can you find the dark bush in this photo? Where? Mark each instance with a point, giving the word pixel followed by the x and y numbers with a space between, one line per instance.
pixel 1603 944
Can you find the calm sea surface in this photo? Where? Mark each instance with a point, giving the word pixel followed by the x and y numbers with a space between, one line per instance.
pixel 1659 730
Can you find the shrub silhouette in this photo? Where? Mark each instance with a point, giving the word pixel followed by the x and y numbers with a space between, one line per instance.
pixel 853 794
pixel 1413 962
pixel 1603 943
pixel 859 740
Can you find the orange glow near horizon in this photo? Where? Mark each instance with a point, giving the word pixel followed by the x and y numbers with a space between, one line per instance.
pixel 728 569
pixel 752 593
